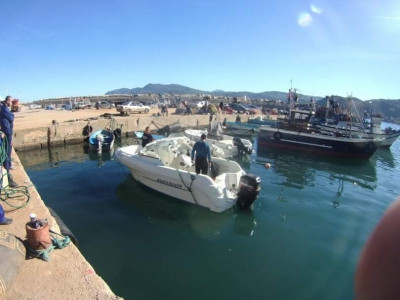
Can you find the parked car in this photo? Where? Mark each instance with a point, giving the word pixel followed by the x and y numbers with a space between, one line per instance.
pixel 82 105
pixel 132 107
pixel 228 110
pixel 253 110
pixel 103 104
pixel 35 106
pixel 239 108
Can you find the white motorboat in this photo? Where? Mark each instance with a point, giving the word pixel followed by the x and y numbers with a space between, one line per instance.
pixel 224 146
pixel 165 166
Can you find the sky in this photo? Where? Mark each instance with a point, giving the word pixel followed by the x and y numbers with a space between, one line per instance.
pixel 52 49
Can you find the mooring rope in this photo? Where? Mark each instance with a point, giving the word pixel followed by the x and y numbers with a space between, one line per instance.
pixel 8 192
pixel 55 244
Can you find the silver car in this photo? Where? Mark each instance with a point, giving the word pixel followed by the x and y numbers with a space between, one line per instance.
pixel 132 107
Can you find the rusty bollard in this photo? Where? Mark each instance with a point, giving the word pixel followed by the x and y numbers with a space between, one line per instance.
pixel 38 233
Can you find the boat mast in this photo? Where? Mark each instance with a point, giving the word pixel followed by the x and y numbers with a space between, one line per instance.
pixel 359 120
pixel 292 96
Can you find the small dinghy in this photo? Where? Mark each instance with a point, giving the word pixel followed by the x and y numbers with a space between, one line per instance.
pixel 101 140
pixel 165 166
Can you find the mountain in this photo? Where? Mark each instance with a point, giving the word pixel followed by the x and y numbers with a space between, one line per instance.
pixel 177 89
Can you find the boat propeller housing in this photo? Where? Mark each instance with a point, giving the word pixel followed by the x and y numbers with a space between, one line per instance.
pixel 242 148
pixel 249 188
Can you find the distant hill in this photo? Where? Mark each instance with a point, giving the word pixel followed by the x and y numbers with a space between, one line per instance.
pixel 177 89
pixel 390 109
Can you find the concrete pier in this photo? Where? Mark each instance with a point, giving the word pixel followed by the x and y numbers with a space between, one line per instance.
pixel 67 275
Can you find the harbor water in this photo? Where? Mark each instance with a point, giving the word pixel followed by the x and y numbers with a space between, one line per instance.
pixel 301 240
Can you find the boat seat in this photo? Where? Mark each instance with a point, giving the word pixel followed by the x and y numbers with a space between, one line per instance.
pixel 220 180
pixel 181 162
pixel 232 182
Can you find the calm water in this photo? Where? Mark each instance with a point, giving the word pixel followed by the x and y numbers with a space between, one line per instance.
pixel 301 241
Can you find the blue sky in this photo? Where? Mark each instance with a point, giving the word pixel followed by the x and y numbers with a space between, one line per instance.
pixel 75 48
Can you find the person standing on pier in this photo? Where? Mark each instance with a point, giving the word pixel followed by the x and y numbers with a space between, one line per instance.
pixel 7 125
pixel 203 155
pixel 3 219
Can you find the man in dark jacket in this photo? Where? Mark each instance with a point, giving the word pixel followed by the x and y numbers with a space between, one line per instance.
pixel 7 126
pixel 147 137
pixel 201 150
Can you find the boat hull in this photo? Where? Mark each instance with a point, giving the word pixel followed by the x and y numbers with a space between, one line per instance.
pixel 316 143
pixel 241 129
pixel 387 138
pixel 184 185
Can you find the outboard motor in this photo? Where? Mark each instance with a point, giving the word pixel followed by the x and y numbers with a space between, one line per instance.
pixel 249 188
pixel 242 148
pixel 117 132
pixel 168 129
pixel 100 141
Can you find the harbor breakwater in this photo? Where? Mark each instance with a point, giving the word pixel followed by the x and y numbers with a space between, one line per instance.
pixel 75 131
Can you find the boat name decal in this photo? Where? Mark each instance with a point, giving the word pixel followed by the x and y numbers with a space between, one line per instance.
pixel 169 183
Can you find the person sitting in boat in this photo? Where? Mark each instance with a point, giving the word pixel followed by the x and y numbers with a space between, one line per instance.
pixel 147 137
pixel 203 155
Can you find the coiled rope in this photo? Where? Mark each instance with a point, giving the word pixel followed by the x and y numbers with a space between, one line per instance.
pixel 21 192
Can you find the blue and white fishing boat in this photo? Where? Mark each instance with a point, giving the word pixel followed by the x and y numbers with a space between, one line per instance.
pixel 101 140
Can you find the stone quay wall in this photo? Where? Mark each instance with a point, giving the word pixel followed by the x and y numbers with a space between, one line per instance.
pixel 73 132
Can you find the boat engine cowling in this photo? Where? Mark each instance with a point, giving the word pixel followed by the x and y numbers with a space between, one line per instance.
pixel 242 148
pixel 249 188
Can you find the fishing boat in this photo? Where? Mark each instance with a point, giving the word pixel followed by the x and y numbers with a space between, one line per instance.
pixel 248 128
pixel 297 133
pixel 316 143
pixel 262 120
pixel 349 124
pixel 101 140
pixel 240 129
pixel 165 166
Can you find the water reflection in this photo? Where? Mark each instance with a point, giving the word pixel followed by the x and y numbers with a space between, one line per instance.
pixel 300 172
pixel 386 157
pixel 168 211
pixel 245 223
pixel 244 161
pixel 99 157
pixel 51 158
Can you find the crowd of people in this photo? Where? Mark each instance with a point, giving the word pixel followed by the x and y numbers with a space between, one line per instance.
pixel 186 108
pixel 7 126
